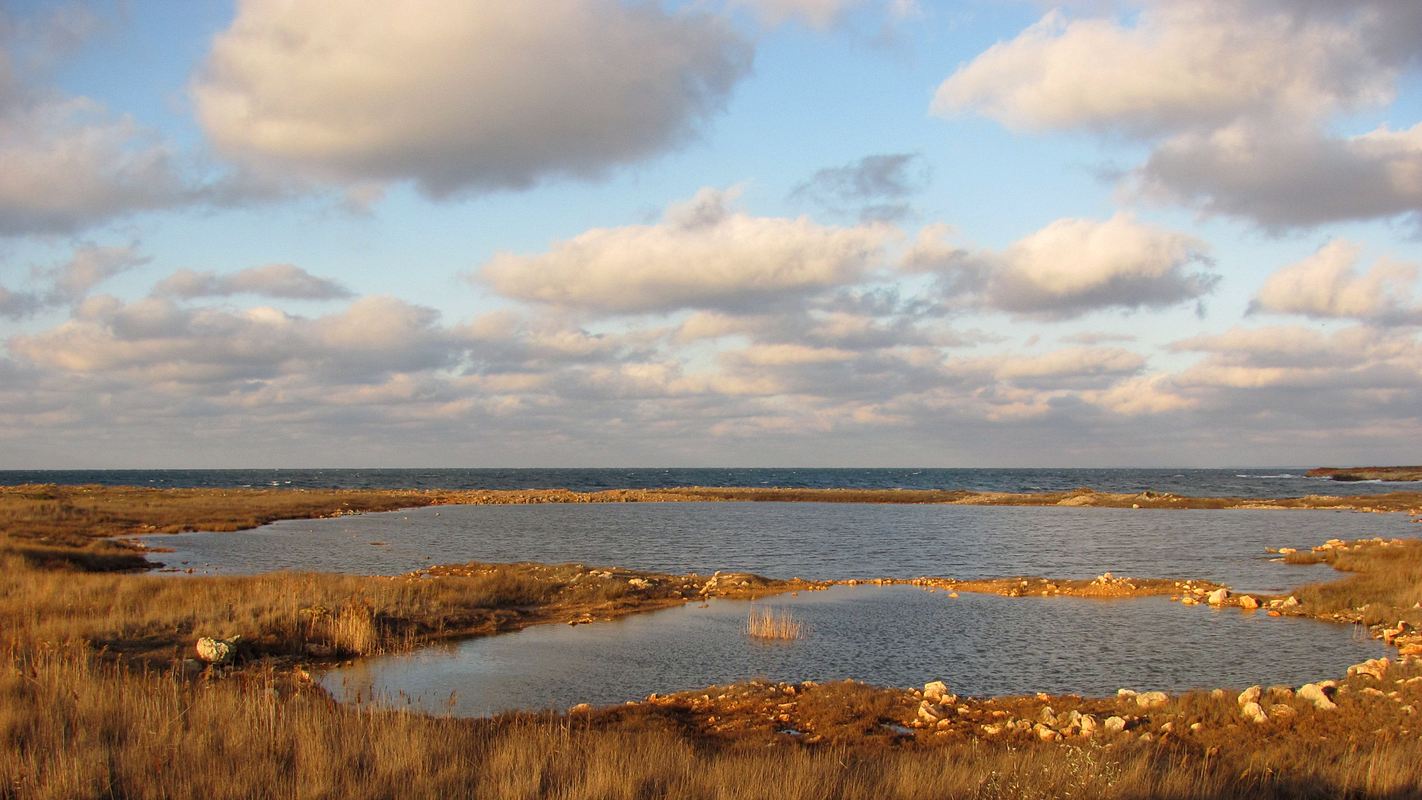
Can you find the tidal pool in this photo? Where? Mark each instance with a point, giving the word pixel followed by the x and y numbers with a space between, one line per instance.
pixel 892 636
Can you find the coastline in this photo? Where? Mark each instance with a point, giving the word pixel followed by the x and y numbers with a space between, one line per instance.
pixel 135 624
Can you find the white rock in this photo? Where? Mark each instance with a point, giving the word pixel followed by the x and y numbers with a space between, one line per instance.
pixel 1254 713
pixel 937 692
pixel 930 712
pixel 1250 695
pixel 1152 699
pixel 1313 693
pixel 1114 724
pixel 1217 597
pixel 216 651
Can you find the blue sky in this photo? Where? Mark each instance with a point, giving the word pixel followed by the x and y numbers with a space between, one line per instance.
pixel 720 232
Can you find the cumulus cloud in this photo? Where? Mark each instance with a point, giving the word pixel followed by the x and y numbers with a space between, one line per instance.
pixel 1284 176
pixel 1329 284
pixel 874 187
pixel 1071 267
pixel 702 254
pixel 462 96
pixel 272 280
pixel 70 163
pixel 1236 98
pixel 1176 66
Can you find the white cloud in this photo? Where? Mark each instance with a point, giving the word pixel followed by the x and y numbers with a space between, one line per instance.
pixel 1328 284
pixel 1072 266
pixel 461 96
pixel 702 254
pixel 1178 65
pixel 69 282
pixel 271 280
pixel 1238 99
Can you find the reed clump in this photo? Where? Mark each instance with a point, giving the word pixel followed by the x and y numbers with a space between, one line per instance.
pixel 769 624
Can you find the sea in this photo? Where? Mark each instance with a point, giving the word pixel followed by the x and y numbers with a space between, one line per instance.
pixel 1258 482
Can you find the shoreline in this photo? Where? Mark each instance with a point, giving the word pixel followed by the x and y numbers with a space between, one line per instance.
pixel 80 640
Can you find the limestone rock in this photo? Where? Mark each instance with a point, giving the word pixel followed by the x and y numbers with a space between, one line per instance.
pixel 1250 695
pixel 1152 699
pixel 930 712
pixel 1217 597
pixel 217 651
pixel 1254 713
pixel 937 692
pixel 1114 724
pixel 1313 693
pixel 1248 603
pixel 1373 668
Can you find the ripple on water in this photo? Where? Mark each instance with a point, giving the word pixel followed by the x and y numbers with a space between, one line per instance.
pixel 894 636
pixel 812 540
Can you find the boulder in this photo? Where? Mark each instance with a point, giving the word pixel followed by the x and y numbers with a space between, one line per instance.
pixel 1254 713
pixel 1152 699
pixel 1087 724
pixel 1217 597
pixel 1313 693
pixel 937 692
pixel 1248 603
pixel 1114 724
pixel 930 712
pixel 1250 695
pixel 217 651
pixel 1373 668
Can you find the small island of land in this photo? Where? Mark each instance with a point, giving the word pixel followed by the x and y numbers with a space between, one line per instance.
pixel 1367 473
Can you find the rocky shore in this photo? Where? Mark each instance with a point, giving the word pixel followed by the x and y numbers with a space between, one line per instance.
pixel 1367 473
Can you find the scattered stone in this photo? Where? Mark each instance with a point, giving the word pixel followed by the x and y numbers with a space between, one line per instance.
pixel 1374 668
pixel 1046 733
pixel 937 692
pixel 1114 724
pixel 217 651
pixel 1314 693
pixel 1248 603
pixel 1152 699
pixel 1125 694
pixel 580 708
pixel 1254 713
pixel 929 712
pixel 1217 597
pixel 1250 695
pixel 1290 602
pixel 1282 711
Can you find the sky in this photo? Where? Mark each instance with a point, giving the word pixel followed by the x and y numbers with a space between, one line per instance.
pixel 301 233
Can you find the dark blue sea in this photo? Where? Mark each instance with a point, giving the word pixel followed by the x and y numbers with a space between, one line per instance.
pixel 1234 482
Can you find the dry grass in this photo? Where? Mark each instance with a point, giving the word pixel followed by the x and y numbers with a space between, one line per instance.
pixel 1384 582
pixel 769 624
pixel 72 726
pixel 88 709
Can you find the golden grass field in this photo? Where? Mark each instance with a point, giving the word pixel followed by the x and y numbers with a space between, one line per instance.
pixel 96 699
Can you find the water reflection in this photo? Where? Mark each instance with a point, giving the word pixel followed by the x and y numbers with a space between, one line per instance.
pixel 897 636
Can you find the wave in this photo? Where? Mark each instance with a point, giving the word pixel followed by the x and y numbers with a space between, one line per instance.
pixel 1282 475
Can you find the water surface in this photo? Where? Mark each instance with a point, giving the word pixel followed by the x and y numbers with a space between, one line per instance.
pixel 811 540
pixel 1233 482
pixel 890 636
